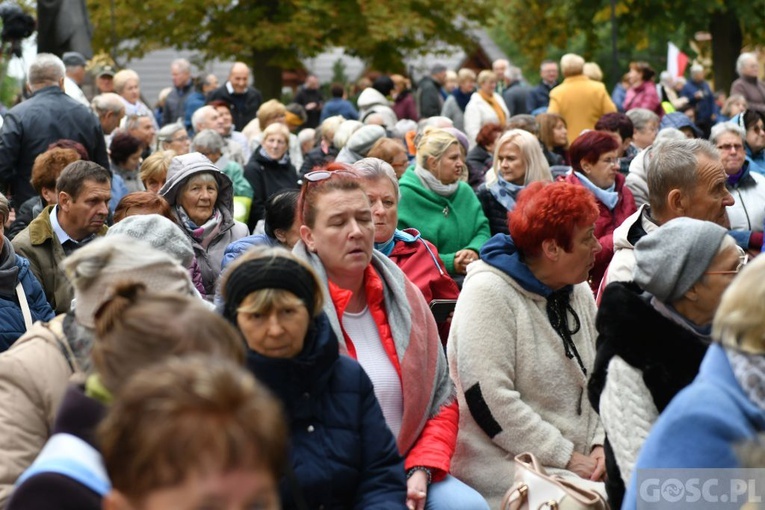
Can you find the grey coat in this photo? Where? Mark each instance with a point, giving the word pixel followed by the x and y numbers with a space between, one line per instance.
pixel 182 168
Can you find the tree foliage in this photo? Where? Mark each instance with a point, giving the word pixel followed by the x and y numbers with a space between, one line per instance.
pixel 540 28
pixel 274 34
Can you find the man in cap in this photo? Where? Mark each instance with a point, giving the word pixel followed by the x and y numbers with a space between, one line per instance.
pixel 105 79
pixel 75 76
pixel 430 93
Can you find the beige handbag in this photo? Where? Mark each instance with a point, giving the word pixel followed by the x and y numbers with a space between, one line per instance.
pixel 534 489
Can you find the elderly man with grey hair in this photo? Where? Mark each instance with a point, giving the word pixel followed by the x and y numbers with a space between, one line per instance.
pixel 208 117
pixel 49 115
pixel 748 188
pixel 516 92
pixel 175 103
pixel 749 84
pixel 211 144
pixel 685 179
pixel 109 109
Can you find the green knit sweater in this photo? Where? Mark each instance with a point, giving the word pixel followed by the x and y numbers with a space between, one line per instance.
pixel 451 224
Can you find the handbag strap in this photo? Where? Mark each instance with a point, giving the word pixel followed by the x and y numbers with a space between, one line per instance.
pixel 25 311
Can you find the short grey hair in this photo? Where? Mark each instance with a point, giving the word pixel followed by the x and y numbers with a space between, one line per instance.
pixel 726 127
pixel 209 140
pixel 373 169
pixel 673 165
pixel 182 64
pixel 641 117
pixel 667 134
pixel 306 134
pixel 107 102
pixel 46 70
pixel 741 61
pixel 199 115
pixel 133 121
pixel 168 132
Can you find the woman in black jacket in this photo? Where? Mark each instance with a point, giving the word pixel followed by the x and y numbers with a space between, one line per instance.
pixel 343 454
pixel 518 161
pixel 269 170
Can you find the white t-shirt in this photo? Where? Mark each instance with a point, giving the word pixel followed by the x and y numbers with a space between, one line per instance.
pixel 371 355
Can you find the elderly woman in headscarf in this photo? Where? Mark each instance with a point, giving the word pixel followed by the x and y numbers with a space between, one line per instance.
pixel 22 299
pixel 654 332
pixel 723 408
pixel 202 199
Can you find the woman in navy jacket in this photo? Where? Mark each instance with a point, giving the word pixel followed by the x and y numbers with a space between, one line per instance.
pixel 342 453
pixel 14 270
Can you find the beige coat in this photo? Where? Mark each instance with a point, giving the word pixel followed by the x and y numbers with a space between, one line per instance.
pixel 517 390
pixel 34 374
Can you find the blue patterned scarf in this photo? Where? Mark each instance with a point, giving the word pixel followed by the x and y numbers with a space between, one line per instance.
pixel 505 192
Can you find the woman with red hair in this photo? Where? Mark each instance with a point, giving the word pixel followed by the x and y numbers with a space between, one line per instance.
pixel 522 343
pixel 595 165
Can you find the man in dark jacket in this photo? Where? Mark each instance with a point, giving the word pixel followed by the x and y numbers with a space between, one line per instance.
pixel 539 96
pixel 701 97
pixel 244 100
pixel 49 115
pixel 430 95
pixel 309 97
pixel 175 103
pixel 516 92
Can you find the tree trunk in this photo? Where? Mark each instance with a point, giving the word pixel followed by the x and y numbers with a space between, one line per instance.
pixel 727 41
pixel 268 77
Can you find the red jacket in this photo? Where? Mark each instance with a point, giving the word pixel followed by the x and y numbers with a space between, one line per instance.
pixel 644 96
pixel 606 224
pixel 420 262
pixel 434 447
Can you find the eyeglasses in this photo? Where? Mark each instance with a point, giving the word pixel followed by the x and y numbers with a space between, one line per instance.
pixel 758 129
pixel 727 147
pixel 180 139
pixel 612 161
pixel 743 259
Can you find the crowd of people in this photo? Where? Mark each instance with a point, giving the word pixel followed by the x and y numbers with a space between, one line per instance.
pixel 381 302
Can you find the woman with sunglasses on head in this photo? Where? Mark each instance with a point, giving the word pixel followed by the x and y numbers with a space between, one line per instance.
pixel 595 165
pixel 384 323
pixel 653 333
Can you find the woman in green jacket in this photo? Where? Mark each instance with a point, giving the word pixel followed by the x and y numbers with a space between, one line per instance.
pixel 441 206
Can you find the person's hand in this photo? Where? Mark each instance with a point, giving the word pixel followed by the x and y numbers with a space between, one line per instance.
pixel 311 106
pixel 582 465
pixel 462 258
pixel 417 490
pixel 600 469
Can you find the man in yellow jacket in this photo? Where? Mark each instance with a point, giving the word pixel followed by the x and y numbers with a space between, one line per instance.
pixel 579 100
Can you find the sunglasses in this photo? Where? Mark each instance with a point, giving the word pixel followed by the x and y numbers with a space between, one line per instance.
pixel 743 259
pixel 323 175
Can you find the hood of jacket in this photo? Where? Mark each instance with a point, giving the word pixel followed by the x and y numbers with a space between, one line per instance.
pixel 182 168
pixel 370 97
pixel 500 252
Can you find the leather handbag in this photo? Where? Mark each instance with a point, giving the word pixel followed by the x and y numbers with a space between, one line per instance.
pixel 534 489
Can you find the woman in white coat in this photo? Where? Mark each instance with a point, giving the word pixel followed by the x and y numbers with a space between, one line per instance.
pixel 485 106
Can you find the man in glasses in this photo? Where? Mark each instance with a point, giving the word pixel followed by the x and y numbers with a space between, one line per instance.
pixel 49 115
pixel 685 179
pixel 747 187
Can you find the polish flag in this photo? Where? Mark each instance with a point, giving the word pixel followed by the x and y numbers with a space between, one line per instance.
pixel 677 61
